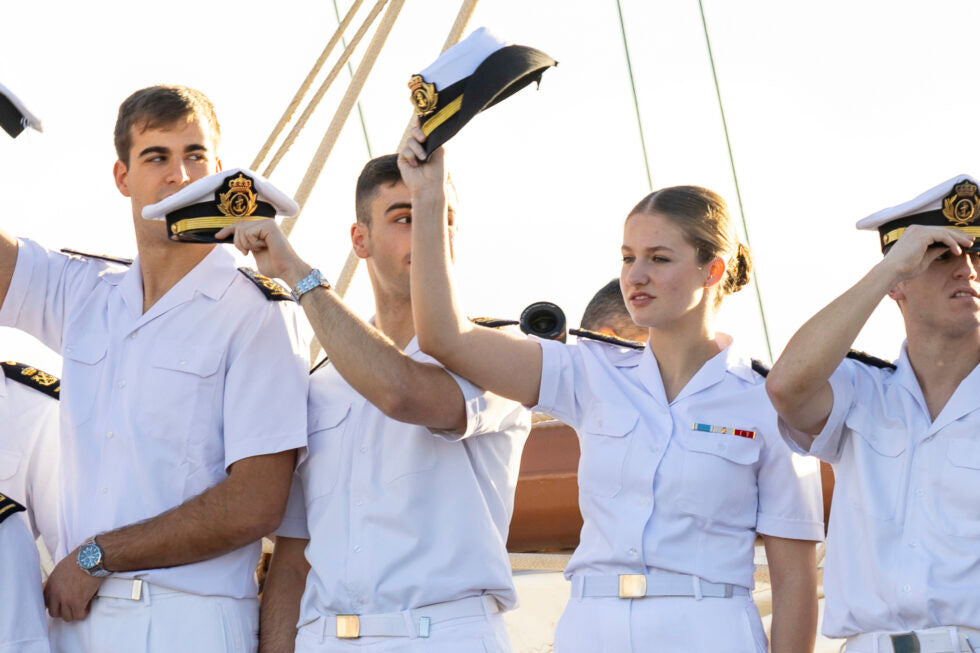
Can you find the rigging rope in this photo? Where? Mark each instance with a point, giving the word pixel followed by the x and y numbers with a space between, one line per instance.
pixel 331 76
pixel 731 161
pixel 636 102
pixel 350 71
pixel 305 86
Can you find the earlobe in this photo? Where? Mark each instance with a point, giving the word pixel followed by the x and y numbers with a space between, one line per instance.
pixel 358 238
pixel 119 173
pixel 715 273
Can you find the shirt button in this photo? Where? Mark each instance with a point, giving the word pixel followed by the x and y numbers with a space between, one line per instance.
pixel 633 553
pixel 645 501
pixel 920 492
pixel 132 336
pixel 109 434
pixel 358 503
pixel 357 549
pixel 363 449
pixel 914 543
pixel 68 349
pixel 907 589
pixel 104 490
pixel 183 362
pixel 122 384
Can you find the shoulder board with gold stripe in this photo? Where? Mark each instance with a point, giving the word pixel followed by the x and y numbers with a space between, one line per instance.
pixel 102 257
pixel 8 507
pixel 868 359
pixel 760 368
pixel 273 291
pixel 602 337
pixel 32 377
pixel 493 322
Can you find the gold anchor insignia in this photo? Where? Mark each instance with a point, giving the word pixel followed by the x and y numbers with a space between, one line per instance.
pixel 240 200
pixel 962 206
pixel 424 96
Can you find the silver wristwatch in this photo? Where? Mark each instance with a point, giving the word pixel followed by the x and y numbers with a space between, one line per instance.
pixel 313 280
pixel 90 559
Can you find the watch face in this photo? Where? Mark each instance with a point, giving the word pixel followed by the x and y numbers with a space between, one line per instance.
pixel 89 556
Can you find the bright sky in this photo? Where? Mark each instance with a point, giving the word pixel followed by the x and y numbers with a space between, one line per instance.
pixel 836 109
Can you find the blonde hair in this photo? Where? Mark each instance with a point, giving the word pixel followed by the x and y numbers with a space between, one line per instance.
pixel 707 225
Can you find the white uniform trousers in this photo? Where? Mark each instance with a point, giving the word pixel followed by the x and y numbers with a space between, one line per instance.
pixel 483 634
pixel 660 624
pixel 161 621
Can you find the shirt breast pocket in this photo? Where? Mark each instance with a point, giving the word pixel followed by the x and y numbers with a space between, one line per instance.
pixel 178 393
pixel 9 464
pixel 876 471
pixel 960 482
pixel 719 477
pixel 84 364
pixel 325 446
pixel 604 445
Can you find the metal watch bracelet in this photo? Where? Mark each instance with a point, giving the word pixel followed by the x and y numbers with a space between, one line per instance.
pixel 313 280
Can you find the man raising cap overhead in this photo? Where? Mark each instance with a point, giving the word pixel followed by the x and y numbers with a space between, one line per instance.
pixel 903 551
pixel 184 401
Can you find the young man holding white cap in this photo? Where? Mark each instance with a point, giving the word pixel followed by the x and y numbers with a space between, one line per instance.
pixel 184 401
pixel 903 553
pixel 404 503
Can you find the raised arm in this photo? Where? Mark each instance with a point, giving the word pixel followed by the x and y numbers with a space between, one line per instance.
pixel 798 384
pixel 502 363
pixel 402 388
pixel 8 261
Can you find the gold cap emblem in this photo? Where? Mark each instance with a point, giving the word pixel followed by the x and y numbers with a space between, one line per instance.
pixel 962 206
pixel 240 200
pixel 424 96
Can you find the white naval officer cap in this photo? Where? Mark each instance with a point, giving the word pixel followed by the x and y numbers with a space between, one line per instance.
pixel 473 75
pixel 953 203
pixel 201 209
pixel 14 116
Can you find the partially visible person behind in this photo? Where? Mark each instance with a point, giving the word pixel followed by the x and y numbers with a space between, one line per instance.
pixel 607 314
pixel 404 503
pixel 23 627
pixel 682 463
pixel 29 446
pixel 183 405
pixel 902 571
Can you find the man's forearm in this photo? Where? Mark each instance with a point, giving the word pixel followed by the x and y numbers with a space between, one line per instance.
pixel 238 511
pixel 281 599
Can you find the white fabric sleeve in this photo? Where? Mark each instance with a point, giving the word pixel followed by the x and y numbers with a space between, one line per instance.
pixel 561 373
pixel 23 622
pixel 790 492
pixel 294 520
pixel 43 288
pixel 486 412
pixel 266 388
pixel 827 444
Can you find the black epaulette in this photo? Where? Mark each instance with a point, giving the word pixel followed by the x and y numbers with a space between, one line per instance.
pixel 602 337
pixel 326 359
pixel 32 377
pixel 868 359
pixel 760 368
pixel 272 290
pixel 102 257
pixel 493 322
pixel 8 507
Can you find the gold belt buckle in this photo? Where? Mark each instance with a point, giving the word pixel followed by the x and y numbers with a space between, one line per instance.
pixel 632 586
pixel 348 626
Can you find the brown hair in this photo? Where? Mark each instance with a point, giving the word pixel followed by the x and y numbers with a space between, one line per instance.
pixel 160 106
pixel 379 171
pixel 704 218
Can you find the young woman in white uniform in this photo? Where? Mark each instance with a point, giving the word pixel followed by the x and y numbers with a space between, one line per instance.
pixel 682 464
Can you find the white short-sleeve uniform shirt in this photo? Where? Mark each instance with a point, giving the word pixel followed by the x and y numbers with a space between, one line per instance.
pixel 400 517
pixel 903 549
pixel 156 406
pixel 23 622
pixel 659 490
pixel 29 456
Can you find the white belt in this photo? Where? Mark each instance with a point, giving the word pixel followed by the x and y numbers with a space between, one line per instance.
pixel 657 582
pixel 944 639
pixel 409 623
pixel 133 589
